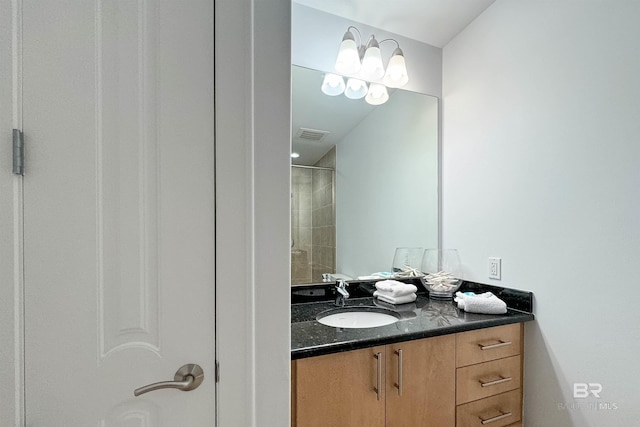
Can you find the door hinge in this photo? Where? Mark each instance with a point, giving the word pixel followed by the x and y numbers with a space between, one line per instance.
pixel 18 152
pixel 217 371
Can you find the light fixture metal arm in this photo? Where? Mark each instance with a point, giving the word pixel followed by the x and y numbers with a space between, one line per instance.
pixel 390 40
pixel 357 31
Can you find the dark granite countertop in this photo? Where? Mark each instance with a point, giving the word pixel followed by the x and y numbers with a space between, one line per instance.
pixel 422 319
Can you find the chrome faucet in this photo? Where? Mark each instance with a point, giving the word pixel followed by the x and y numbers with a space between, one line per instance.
pixel 342 293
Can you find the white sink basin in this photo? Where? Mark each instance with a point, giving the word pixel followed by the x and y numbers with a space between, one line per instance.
pixel 357 317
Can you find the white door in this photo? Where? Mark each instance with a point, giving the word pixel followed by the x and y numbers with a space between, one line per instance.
pixel 118 117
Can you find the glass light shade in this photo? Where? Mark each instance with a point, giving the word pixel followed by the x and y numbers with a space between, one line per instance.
pixel 348 60
pixel 372 67
pixel 355 89
pixel 377 94
pixel 332 84
pixel 396 75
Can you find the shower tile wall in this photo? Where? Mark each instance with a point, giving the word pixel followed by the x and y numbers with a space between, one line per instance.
pixel 313 223
pixel 323 228
pixel 301 225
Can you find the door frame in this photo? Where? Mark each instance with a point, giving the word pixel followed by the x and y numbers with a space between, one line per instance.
pixel 11 244
pixel 253 97
pixel 252 213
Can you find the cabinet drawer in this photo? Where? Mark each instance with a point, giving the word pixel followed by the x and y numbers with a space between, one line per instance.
pixel 487 344
pixel 496 411
pixel 487 379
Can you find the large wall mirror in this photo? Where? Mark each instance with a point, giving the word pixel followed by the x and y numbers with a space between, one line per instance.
pixel 365 181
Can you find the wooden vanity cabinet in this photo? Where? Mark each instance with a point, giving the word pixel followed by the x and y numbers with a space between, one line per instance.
pixel 404 384
pixel 466 379
pixel 420 383
pixel 489 377
pixel 339 390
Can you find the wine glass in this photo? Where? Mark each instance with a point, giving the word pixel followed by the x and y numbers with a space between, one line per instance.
pixel 406 262
pixel 443 272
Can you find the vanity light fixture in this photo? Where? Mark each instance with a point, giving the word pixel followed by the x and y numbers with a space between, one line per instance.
pixel 363 63
pixel 372 67
pixel 366 62
pixel 396 75
pixel 348 61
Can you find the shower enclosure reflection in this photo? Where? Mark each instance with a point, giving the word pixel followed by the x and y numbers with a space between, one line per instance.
pixel 313 220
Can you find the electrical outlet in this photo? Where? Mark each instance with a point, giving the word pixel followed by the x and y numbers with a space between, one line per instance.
pixel 495 268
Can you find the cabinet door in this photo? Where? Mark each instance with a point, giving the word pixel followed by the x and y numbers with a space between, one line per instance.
pixel 421 383
pixel 340 390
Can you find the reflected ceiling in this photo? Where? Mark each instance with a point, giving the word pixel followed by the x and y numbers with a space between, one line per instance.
pixel 314 110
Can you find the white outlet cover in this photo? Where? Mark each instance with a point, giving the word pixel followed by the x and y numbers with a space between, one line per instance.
pixel 495 268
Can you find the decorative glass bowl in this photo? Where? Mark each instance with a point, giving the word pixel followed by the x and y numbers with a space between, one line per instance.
pixel 443 274
pixel 406 262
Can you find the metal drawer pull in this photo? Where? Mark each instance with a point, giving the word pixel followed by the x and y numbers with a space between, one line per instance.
pixel 378 387
pixel 502 416
pixel 499 344
pixel 399 383
pixel 187 378
pixel 495 382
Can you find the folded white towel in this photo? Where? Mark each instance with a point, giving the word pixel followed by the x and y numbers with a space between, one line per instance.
pixel 382 296
pixel 486 303
pixel 393 288
pixel 407 310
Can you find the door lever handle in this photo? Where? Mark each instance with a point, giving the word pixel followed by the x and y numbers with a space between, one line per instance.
pixel 187 378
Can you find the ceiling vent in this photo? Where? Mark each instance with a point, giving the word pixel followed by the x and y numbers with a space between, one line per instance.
pixel 312 134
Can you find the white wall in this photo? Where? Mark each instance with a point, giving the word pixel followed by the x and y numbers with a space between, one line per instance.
pixel 272 210
pixel 316 37
pixel 541 166
pixel 386 184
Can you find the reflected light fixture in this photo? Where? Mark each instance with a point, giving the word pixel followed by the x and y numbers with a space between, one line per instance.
pixel 377 94
pixel 332 84
pixel 363 63
pixel 356 88
pixel 295 155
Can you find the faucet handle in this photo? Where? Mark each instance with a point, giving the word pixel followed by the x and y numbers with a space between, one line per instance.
pixel 341 287
pixel 341 292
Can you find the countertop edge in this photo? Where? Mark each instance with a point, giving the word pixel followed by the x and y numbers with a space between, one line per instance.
pixel 320 350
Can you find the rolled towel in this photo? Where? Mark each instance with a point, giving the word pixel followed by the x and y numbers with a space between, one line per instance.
pixel 382 296
pixel 378 275
pixel 486 303
pixel 393 288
